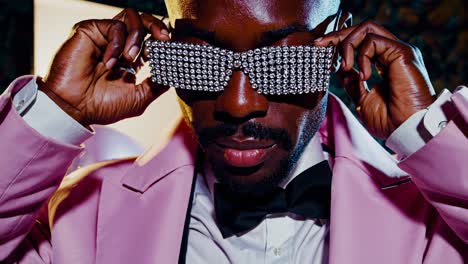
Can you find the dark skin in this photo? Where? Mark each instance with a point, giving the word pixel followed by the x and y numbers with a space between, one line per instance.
pixel 239 103
pixel 84 81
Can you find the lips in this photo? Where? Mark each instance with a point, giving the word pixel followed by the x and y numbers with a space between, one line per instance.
pixel 244 152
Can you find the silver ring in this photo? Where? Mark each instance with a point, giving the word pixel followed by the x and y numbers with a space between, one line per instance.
pixel 128 69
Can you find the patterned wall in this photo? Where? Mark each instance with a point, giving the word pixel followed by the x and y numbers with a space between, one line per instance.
pixel 437 27
pixel 16 39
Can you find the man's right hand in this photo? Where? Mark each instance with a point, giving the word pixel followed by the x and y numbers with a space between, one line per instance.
pixel 86 79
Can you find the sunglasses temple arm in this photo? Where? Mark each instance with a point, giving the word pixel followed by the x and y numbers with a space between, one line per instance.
pixel 337 21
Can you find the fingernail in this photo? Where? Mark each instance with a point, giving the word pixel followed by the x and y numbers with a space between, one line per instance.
pixel 133 52
pixel 318 40
pixel 110 63
pixel 164 32
pixel 343 64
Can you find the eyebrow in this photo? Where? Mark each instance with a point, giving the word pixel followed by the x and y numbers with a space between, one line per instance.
pixel 266 38
pixel 189 30
pixel 274 35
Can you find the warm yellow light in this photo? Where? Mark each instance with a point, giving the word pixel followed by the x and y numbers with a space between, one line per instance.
pixel 53 22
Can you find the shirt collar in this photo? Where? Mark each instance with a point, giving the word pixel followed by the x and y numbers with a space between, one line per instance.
pixel 312 155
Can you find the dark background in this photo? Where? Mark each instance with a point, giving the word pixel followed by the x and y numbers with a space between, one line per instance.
pixel 16 39
pixel 437 27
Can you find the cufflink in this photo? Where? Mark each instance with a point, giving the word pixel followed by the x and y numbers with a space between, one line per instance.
pixel 442 125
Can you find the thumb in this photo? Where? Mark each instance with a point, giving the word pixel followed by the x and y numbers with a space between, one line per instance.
pixel 353 85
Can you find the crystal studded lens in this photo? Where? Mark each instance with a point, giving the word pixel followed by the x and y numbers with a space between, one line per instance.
pixel 276 70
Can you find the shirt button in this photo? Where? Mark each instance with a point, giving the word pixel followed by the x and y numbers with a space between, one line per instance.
pixel 277 252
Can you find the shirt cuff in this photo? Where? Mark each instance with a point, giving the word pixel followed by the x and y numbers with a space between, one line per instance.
pixel 43 115
pixel 422 126
pixel 406 139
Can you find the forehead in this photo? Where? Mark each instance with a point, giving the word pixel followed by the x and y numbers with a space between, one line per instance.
pixel 241 20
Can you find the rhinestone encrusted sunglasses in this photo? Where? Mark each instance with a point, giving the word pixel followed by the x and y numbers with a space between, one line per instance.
pixel 274 70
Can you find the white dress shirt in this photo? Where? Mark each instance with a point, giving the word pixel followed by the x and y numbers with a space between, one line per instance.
pixel 47 118
pixel 279 238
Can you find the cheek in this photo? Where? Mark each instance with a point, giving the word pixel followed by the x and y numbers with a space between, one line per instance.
pixel 289 117
pixel 195 105
pixel 200 113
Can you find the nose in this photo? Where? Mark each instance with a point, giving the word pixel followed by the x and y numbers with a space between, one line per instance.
pixel 239 101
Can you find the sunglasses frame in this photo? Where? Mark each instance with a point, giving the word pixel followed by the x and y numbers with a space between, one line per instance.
pixel 274 70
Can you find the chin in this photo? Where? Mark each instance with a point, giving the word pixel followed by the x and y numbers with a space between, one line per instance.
pixel 252 181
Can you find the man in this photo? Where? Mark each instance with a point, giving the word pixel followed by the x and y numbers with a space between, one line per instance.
pixel 260 189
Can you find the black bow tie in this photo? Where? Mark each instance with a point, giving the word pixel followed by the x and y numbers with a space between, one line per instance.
pixel 308 195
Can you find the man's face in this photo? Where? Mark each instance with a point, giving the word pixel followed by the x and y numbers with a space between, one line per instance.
pixel 252 141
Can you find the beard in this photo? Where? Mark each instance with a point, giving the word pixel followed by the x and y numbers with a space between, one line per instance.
pixel 260 188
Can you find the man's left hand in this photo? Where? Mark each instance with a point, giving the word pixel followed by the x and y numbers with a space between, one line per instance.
pixel 405 88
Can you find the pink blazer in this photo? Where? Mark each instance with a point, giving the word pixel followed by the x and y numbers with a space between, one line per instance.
pixel 133 211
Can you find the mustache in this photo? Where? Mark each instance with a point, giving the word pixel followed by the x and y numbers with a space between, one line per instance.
pixel 257 131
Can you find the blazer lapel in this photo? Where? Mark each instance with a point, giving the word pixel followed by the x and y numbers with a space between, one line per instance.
pixel 363 202
pixel 141 215
pixel 184 244
pixel 342 133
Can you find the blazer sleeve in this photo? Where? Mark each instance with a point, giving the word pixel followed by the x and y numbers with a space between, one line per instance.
pixel 440 169
pixel 31 169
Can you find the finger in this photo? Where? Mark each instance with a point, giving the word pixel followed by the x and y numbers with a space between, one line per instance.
pixel 354 87
pixel 357 33
pixel 355 38
pixel 135 33
pixel 156 28
pixel 116 35
pixel 335 37
pixel 380 49
pixel 106 34
pixel 120 16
